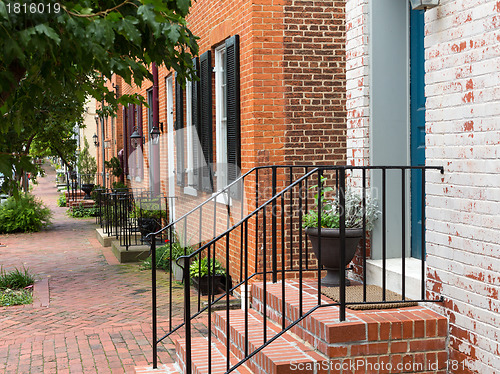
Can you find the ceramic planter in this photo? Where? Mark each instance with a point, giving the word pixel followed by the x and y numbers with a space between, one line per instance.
pixel 330 251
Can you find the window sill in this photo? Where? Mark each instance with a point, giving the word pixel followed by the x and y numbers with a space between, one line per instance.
pixel 190 191
pixel 222 198
pixel 394 275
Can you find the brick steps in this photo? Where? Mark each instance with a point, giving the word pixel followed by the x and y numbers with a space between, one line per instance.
pixel 414 334
pixel 274 359
pixel 199 359
pixel 411 339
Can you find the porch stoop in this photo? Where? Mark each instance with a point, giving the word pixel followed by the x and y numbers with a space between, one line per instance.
pixel 414 337
pixel 398 340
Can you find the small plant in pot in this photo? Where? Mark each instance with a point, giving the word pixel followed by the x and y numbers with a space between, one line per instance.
pixel 330 232
pixel 87 167
pixel 204 275
pixel 148 220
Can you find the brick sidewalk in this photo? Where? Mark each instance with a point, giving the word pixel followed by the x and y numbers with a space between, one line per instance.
pixel 99 317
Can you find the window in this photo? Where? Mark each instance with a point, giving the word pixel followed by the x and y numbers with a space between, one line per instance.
pixel 221 117
pixel 179 133
pixel 227 116
pixel 191 136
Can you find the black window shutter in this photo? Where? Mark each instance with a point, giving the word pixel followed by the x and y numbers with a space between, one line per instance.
pixel 196 122
pixel 179 132
pixel 130 129
pixel 125 143
pixel 232 68
pixel 206 121
pixel 139 147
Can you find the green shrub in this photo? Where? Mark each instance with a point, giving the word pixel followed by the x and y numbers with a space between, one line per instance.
pixel 163 256
pixel 16 279
pixel 10 297
pixel 81 212
pixel 61 200
pixel 201 268
pixel 13 287
pixel 26 214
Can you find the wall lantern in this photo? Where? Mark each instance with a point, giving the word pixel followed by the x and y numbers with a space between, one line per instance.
pixel 423 4
pixel 155 135
pixel 135 138
pixel 96 140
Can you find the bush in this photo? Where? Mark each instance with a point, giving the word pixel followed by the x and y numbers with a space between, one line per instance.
pixel 13 287
pixel 81 212
pixel 26 214
pixel 16 279
pixel 163 256
pixel 61 200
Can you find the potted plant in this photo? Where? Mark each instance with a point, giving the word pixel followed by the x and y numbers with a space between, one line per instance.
pixel 87 167
pixel 330 232
pixel 199 272
pixel 148 220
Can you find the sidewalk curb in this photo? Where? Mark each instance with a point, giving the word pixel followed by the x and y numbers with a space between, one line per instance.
pixel 41 294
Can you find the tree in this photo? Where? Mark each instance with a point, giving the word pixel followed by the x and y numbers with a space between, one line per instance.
pixel 60 45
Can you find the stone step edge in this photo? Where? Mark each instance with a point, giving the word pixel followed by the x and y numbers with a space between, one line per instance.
pixel 278 357
pixel 199 357
pixel 162 369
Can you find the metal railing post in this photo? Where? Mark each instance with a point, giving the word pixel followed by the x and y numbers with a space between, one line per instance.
pixel 187 317
pixel 153 306
pixel 342 243
pixel 274 228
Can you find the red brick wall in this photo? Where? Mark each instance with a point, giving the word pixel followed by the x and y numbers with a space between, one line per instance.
pixel 292 90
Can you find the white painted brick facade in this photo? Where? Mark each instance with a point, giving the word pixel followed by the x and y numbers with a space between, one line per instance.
pixel 462 49
pixel 463 134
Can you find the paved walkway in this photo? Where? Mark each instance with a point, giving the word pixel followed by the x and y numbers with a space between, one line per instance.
pixel 99 316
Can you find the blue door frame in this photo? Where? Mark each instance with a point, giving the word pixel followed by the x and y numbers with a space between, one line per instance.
pixel 417 127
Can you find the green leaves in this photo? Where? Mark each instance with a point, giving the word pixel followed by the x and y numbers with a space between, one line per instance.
pixel 126 27
pixel 48 31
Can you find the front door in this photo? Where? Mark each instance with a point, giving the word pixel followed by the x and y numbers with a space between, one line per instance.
pixel 417 127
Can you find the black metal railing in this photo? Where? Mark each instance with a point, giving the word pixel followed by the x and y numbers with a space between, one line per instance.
pixel 129 215
pixel 266 224
pixel 74 183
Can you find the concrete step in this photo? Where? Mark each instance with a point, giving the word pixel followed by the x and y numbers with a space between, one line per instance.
pixel 284 355
pixel 199 357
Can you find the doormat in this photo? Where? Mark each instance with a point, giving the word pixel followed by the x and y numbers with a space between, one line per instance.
pixel 373 294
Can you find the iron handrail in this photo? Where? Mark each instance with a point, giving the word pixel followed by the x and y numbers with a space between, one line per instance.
pixel 243 221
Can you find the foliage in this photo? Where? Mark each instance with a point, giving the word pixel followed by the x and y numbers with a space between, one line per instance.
pixel 9 297
pixel 61 200
pixel 27 214
pixel 330 211
pixel 114 165
pixel 13 287
pixel 119 186
pixel 202 268
pixel 82 212
pixel 50 58
pixel 16 279
pixel 87 165
pixel 152 211
pixel 163 255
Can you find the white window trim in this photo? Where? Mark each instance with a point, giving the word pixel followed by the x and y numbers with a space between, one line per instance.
pixel 188 189
pixel 220 121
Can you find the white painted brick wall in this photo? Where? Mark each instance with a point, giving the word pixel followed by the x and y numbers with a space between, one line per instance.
pixel 463 208
pixel 463 134
pixel 357 76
